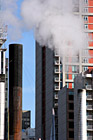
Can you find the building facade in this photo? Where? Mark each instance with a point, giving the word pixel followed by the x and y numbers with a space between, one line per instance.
pixel 26 119
pixel 65 114
pixel 2 92
pixel 28 134
pixel 52 75
pixel 83 106
pixel 3 38
pixel 44 91
pixel 6 135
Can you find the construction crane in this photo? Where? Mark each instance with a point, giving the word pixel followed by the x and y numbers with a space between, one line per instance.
pixel 3 27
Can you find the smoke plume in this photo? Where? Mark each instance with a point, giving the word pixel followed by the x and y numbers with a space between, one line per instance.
pixel 54 24
pixel 8 13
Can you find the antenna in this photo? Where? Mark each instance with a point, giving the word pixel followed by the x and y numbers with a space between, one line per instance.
pixel 3 28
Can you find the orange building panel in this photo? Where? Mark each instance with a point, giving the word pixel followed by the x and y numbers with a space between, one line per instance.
pixel 90 26
pixel 70 76
pixel 91 60
pixel 70 70
pixel 90 2
pixel 70 85
pixel 90 10
pixel 91 53
pixel 90 68
pixel 90 19
pixel 90 35
pixel 91 44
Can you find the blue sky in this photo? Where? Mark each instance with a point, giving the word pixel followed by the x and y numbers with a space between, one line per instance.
pixel 28 72
pixel 28 69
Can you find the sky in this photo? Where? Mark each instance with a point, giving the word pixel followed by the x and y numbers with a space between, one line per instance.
pixel 28 42
pixel 52 22
pixel 28 102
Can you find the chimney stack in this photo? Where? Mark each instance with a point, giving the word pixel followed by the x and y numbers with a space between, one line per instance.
pixel 15 91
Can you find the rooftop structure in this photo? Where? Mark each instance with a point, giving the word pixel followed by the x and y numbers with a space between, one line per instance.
pixel 83 106
pixel 26 119
pixel 3 27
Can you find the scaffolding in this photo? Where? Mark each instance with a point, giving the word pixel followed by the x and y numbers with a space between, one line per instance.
pixel 3 27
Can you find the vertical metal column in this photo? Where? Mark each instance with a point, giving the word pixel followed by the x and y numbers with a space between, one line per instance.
pixel 15 91
pixel 6 102
pixel 2 93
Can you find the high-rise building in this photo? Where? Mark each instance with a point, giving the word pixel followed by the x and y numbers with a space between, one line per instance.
pixel 2 92
pixel 52 76
pixel 48 83
pixel 65 114
pixel 3 38
pixel 83 106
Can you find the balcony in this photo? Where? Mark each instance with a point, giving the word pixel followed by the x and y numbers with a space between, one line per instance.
pixel 87 13
pixel 88 87
pixel 57 79
pixel 57 71
pixel 56 88
pixel 56 104
pixel 56 54
pixel 89 107
pixel 89 117
pixel 85 4
pixel 89 75
pixel 89 97
pixel 76 9
pixel 57 62
pixel 89 137
pixel 56 96
pixel 90 127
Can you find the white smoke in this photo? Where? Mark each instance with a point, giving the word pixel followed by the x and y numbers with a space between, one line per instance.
pixel 54 24
pixel 9 11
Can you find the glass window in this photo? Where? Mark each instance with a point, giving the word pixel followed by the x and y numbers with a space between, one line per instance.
pixel 71 134
pixel 73 76
pixel 67 85
pixel 71 97
pixel 86 10
pixel 71 124
pixel 67 68
pixel 85 69
pixel 71 106
pixel 86 1
pixel 60 84
pixel 72 85
pixel 71 93
pixel 61 76
pixel 60 68
pixel 67 76
pixel 73 68
pixel 71 115
pixel 85 18
pixel 86 26
pixel 85 52
pixel 85 60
